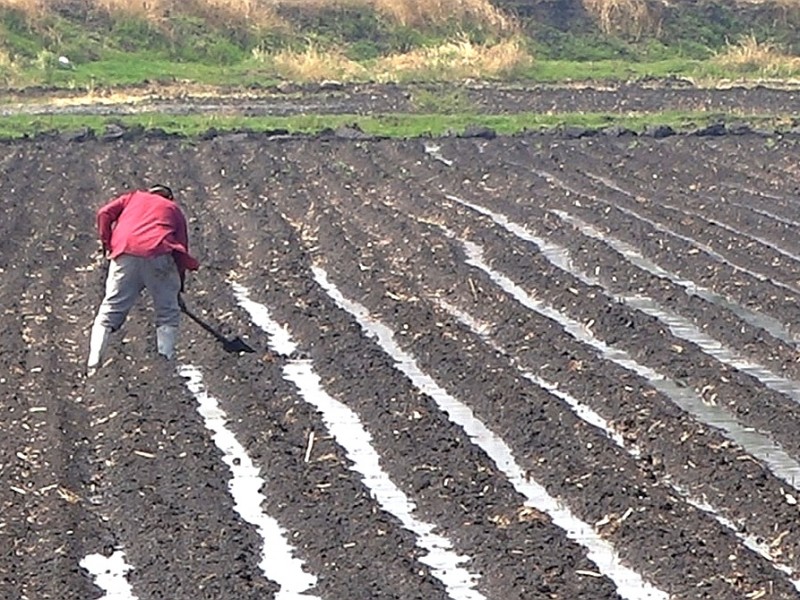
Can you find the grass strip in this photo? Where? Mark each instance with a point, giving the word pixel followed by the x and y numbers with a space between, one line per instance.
pixel 117 70
pixel 394 125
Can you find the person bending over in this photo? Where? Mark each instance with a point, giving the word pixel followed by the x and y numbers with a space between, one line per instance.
pixel 144 235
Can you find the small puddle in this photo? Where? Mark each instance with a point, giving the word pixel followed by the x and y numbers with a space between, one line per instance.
pixel 278 562
pixel 592 418
pixel 349 432
pixel 629 583
pixel 110 575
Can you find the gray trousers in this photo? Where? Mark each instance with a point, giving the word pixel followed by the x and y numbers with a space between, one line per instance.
pixel 127 276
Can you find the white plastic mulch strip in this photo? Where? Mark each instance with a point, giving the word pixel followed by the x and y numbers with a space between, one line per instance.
pixel 349 432
pixel 731 229
pixel 109 573
pixel 585 413
pixel 773 326
pixel 721 224
pixel 766 213
pixel 759 445
pixel 664 229
pixel 753 542
pixel 629 583
pixel 677 324
pixel 758 545
pixel 278 562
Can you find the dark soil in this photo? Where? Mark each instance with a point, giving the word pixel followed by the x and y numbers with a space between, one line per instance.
pixel 333 98
pixel 124 461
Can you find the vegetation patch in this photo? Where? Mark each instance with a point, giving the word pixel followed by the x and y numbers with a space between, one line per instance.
pixel 755 58
pixel 394 125
pixel 456 60
pixel 108 43
pixel 629 18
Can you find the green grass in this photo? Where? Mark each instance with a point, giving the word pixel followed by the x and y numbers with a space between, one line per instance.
pixel 381 125
pixel 132 51
pixel 118 69
pixel 124 50
pixel 553 71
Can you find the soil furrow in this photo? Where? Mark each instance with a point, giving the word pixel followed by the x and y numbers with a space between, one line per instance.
pixel 681 359
pixel 696 191
pixel 356 549
pixel 49 433
pixel 687 258
pixel 691 366
pixel 651 203
pixel 439 214
pixel 468 382
pixel 450 480
pixel 129 463
pixel 152 457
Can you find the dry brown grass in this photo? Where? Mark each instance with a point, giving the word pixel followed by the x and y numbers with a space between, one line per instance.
pixel 256 12
pixel 455 60
pixel 749 55
pixel 420 12
pixel 9 69
pixel 264 12
pixel 314 64
pixel 149 9
pixel 629 18
pixel 32 8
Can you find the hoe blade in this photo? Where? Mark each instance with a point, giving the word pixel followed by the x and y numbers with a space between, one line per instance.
pixel 236 345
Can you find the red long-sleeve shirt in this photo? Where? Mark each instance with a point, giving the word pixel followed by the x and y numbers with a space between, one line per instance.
pixel 145 224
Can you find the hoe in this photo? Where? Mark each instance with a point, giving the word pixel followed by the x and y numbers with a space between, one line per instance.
pixel 234 346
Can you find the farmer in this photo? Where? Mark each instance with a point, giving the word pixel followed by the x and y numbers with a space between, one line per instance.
pixel 145 237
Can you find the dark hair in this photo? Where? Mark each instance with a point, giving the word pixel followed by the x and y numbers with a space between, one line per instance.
pixel 162 190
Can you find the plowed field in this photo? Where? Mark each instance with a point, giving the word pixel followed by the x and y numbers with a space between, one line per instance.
pixel 513 368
